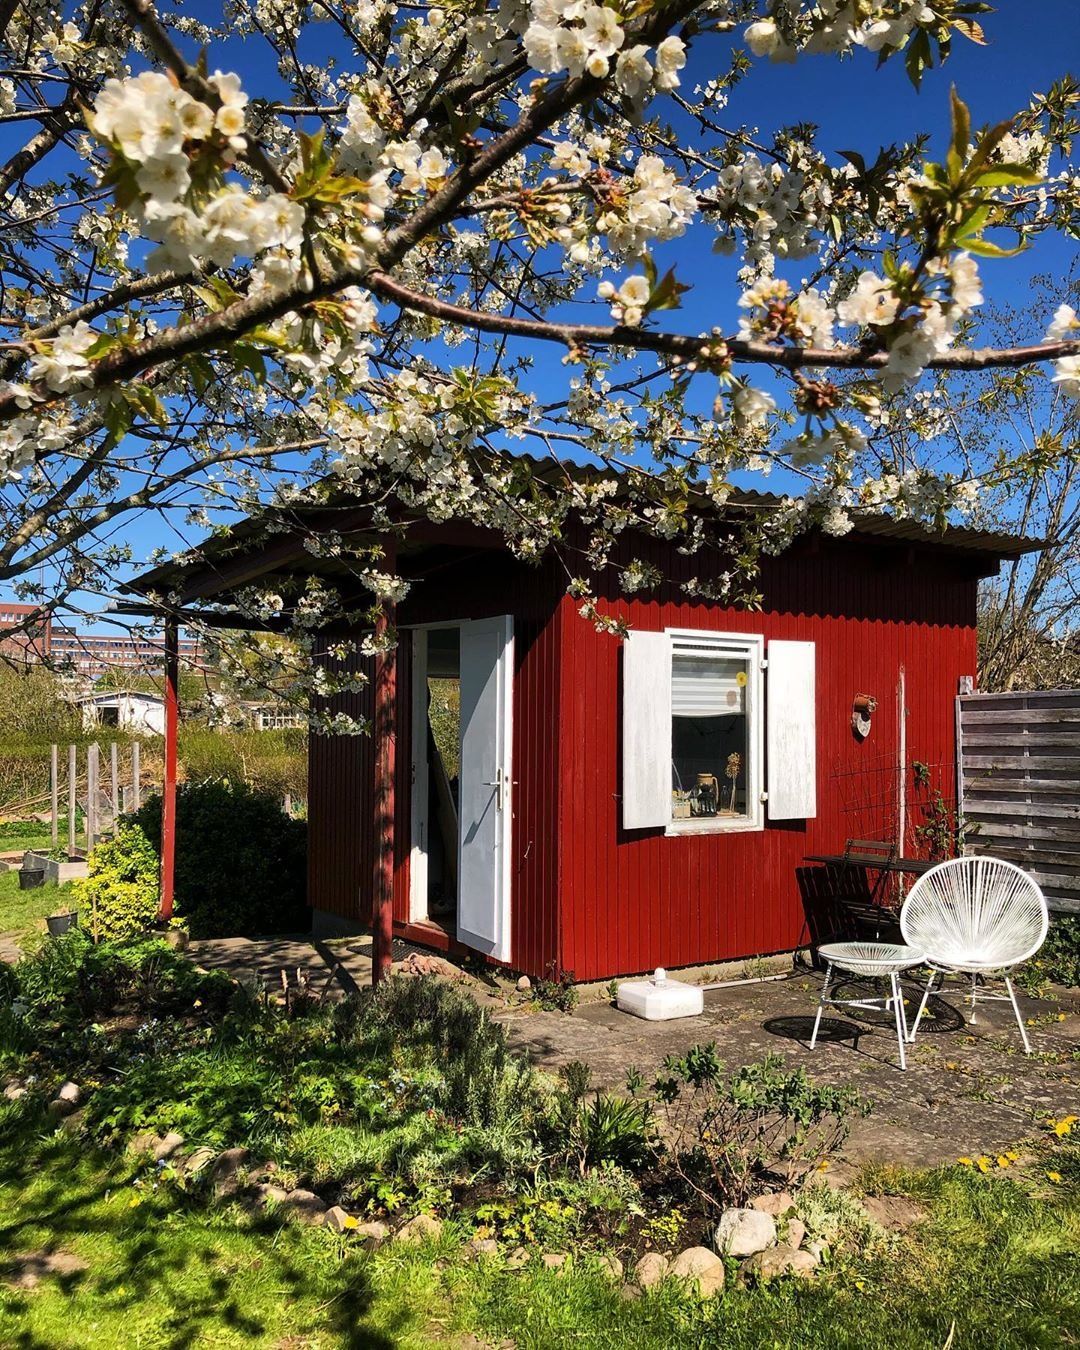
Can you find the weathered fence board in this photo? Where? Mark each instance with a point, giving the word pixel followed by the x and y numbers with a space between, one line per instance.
pixel 1019 784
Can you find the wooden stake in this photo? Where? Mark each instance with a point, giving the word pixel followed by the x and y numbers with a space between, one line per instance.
pixel 92 776
pixel 136 787
pixel 72 773
pixel 54 791
pixel 114 777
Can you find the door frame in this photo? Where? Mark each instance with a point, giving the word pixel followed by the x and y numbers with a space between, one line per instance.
pixel 420 778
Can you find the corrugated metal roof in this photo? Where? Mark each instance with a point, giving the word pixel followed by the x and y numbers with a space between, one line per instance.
pixel 231 543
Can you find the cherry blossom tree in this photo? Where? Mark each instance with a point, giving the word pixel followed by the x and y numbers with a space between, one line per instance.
pixel 341 265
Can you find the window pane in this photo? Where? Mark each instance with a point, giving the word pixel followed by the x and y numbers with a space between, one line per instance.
pixel 709 736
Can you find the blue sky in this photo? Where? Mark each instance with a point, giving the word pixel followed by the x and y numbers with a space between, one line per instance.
pixel 855 105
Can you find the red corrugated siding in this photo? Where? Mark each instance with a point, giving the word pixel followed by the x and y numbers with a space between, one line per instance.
pixel 593 901
pixel 340 779
pixel 631 901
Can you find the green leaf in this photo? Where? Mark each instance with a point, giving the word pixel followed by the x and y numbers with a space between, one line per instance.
pixel 961 124
pixel 985 249
pixel 1008 175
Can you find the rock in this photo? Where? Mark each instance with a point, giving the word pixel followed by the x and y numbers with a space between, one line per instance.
pixel 424 1228
pixel 166 1147
pixel 372 1234
pixel 58 1108
pixel 818 1249
pixel 478 1248
pixel 518 1257
pixel 70 1092
pixel 651 1269
pixel 195 1162
pixel 13 1091
pixel 796 1231
pixel 305 1206
pixel 629 1292
pixel 524 984
pixel 230 1162
pixel 176 938
pixel 701 1268
pixel 554 1260
pixel 340 1220
pixel 742 1232
pixel 611 1266
pixel 145 1142
pixel 28 1269
pixel 775 1203
pixel 893 1212
pixel 256 1198
pixel 767 1265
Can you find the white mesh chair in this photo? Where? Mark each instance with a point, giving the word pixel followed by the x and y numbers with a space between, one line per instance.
pixel 870 960
pixel 975 917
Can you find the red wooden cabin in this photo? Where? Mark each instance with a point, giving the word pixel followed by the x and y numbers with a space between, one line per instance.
pixel 623 804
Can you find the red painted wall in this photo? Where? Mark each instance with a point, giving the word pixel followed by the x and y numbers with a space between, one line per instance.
pixel 630 901
pixel 595 901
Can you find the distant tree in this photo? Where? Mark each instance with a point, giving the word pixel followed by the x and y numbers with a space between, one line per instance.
pixel 1016 438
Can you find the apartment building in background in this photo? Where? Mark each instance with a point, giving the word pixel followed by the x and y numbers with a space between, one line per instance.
pixel 28 633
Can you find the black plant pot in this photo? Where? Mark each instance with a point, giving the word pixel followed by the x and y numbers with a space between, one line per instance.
pixel 31 877
pixel 61 923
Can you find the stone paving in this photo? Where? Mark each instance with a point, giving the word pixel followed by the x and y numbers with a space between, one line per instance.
pixel 967 1089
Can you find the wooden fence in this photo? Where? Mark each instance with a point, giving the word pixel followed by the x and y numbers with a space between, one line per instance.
pixel 1019 782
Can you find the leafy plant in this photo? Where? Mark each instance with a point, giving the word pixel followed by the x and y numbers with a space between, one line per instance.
pixel 720 1132
pixel 555 991
pixel 121 889
pixel 603 1128
pixel 240 860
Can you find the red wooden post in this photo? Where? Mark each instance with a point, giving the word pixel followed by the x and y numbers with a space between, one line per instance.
pixel 382 915
pixel 168 793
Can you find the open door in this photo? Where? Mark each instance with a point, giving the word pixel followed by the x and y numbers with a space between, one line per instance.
pixel 487 664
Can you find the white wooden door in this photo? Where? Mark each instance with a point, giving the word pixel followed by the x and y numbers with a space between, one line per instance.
pixel 487 664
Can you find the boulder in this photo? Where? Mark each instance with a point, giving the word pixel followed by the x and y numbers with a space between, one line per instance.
pixel 372 1234
pixel 742 1232
pixel 524 984
pixel 166 1147
pixel 144 1142
pixel 701 1269
pixel 340 1220
pixel 70 1092
pixel 796 1231
pixel 257 1197
pixel 486 1248
pixel 197 1161
pixel 554 1260
pixel 775 1261
pixel 611 1266
pixel 13 1091
pixel 424 1228
pixel 518 1257
pixel 305 1206
pixel 176 938
pixel 775 1203
pixel 628 1292
pixel 230 1162
pixel 58 1108
pixel 651 1269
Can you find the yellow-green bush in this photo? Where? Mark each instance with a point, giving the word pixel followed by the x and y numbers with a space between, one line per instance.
pixel 121 893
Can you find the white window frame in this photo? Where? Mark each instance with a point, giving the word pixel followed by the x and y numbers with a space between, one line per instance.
pixel 751 648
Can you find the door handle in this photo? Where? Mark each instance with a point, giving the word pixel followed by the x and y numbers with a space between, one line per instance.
pixel 499 784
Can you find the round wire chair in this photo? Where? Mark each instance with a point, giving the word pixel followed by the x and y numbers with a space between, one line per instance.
pixel 975 916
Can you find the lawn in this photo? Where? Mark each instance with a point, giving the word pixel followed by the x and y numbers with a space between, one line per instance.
pixel 23 913
pixel 408 1102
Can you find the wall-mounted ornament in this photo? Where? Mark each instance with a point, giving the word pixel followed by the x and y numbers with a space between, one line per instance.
pixel 863 707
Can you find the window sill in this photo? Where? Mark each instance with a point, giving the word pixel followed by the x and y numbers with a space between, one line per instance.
pixel 714 825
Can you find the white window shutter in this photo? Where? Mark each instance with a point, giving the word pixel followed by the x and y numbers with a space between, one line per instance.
pixel 646 737
pixel 791 731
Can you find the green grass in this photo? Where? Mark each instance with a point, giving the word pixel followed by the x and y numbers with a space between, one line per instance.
pixel 23 913
pixel 19 835
pixel 996 1265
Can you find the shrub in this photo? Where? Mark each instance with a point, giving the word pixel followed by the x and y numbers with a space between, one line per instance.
pixel 121 889
pixel 722 1131
pixel 604 1128
pixel 240 860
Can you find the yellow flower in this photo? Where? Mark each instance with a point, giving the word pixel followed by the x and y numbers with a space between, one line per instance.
pixel 1064 1125
pixel 1013 1157
pixel 982 1163
pixel 740 678
pixel 823 1166
pixel 966 1162
pixel 135 1201
pixel 1055 1177
pixel 351 1221
pixel 1061 1017
pixel 1002 1160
